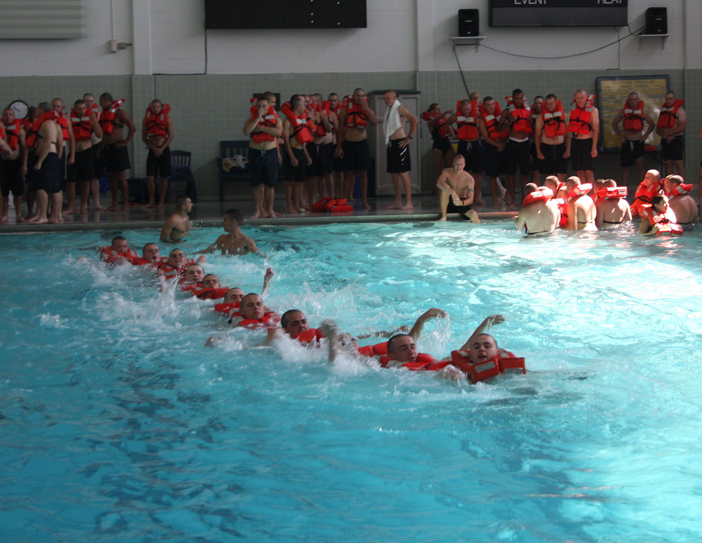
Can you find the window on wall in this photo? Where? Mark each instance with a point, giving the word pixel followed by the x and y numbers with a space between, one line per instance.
pixel 42 20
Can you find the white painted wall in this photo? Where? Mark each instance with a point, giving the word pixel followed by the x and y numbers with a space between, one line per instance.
pixel 402 35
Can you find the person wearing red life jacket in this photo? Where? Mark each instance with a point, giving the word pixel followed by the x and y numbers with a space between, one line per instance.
pixel 397 148
pixel 457 191
pixel 177 226
pixel 68 156
pixel 495 145
pixel 352 144
pixel 671 124
pixel 441 134
pixel 581 136
pixel 659 218
pixel 612 208
pixel 633 135
pixel 538 214
pixel 517 117
pixel 175 265
pixel 647 189
pixel 296 136
pixel 234 242
pixel 157 133
pixel 150 256
pixel 84 125
pixel 323 161
pixel 468 120
pixel 118 252
pixel 680 201
pixel 264 127
pixel 43 166
pixel 14 165
pixel 114 151
pixel 335 106
pixel 536 166
pixel 550 130
pixel 96 140
pixel 580 207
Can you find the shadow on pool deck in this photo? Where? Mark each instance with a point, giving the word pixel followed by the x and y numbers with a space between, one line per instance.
pixel 210 213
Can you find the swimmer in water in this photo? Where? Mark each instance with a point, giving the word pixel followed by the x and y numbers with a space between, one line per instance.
pixel 150 254
pixel 194 275
pixel 538 217
pixel 177 225
pixel 234 242
pixel 660 205
pixel 581 209
pixel 176 264
pixel 682 203
pixel 611 212
pixel 118 252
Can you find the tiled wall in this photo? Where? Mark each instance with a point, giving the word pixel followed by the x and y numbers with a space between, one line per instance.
pixel 210 108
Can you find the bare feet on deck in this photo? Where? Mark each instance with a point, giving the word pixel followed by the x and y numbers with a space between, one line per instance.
pixel 407 207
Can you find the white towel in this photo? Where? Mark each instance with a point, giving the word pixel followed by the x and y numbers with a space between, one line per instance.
pixel 392 121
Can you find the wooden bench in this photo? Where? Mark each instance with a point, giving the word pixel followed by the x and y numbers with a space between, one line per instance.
pixel 229 149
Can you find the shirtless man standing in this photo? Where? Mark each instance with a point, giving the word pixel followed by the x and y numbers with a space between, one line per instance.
pixel 177 225
pixel 114 152
pixel 581 137
pixel 518 151
pixel 43 169
pixel 457 189
pixel 96 140
pixel 538 217
pixel 550 138
pixel 682 204
pixel 84 125
pixel 581 209
pixel 671 127
pixel 398 153
pixel 352 144
pixel 633 141
pixel 157 134
pixel 611 212
pixel 234 242
pixel 324 142
pixel 264 127
pixel 14 165
pixel 494 149
pixel 68 157
pixel 296 157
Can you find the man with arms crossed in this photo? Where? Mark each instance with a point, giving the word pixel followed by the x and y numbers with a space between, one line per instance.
pixel 114 151
pixel 398 152
pixel 457 189
pixel 633 141
pixel 582 134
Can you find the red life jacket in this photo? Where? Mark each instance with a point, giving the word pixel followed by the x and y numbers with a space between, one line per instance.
pixel 270 319
pixel 226 307
pixel 522 116
pixel 82 126
pixel 12 132
pixel 491 122
pixel 33 133
pixel 611 193
pixel 667 222
pixel 379 349
pixel 579 190
pixel 331 204
pixel 634 118
pixel 467 125
pixel 170 272
pixel 440 130
pixel 110 256
pixel 269 120
pixel 107 117
pixel 424 362
pixel 580 118
pixel 504 362
pixel 543 195
pixel 320 131
pixel 669 115
pixel 300 128
pixel 554 123
pixel 356 115
pixel 313 335
pixel 681 189
pixel 157 125
pixel 209 293
pixel 62 121
pixel 643 196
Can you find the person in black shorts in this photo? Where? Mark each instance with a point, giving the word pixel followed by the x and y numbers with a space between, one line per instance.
pixel 295 158
pixel 633 137
pixel 671 127
pixel 13 165
pixel 441 133
pixel 518 151
pixel 581 136
pixel 43 169
pixel 114 151
pixel 157 134
pixel 549 140
pixel 398 151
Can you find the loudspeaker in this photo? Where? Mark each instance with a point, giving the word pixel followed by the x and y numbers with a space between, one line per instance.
pixel 469 22
pixel 657 21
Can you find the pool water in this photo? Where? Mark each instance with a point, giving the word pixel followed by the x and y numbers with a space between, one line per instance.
pixel 119 425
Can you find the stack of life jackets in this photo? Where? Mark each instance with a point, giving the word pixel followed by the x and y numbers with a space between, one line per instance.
pixel 332 205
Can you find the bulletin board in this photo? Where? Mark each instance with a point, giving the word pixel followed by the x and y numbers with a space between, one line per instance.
pixel 612 92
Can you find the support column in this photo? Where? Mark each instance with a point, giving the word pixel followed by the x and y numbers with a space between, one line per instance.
pixel 141 42
pixel 424 33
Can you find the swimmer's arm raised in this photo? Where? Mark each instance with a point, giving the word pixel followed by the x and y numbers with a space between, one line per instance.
pixel 418 327
pixel 267 282
pixel 484 328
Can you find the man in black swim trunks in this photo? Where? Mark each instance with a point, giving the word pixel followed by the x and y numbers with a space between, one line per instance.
pixel 114 152
pixel 581 137
pixel 43 169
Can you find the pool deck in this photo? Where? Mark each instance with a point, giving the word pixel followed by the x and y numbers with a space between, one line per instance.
pixel 207 213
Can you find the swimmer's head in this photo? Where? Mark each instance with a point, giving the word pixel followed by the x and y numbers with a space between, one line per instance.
pixel 359 95
pixel 194 273
pixel 346 340
pixel 599 183
pixel 651 177
pixel 581 97
pixel 333 100
pixel 120 244
pixel 252 307
pixel 633 100
pixel 232 218
pixel 210 281
pixel 233 296
pixel 670 99
pixel 572 182
pixel 530 187
pixel 489 105
pixel 8 116
pixel 660 203
pixel 106 100
pixel 150 252
pixel 401 347
pixel 389 97
pixel 176 259
pixel 483 348
pixel 184 202
pixel 465 106
pixel 156 106
pixel 550 103
pixel 610 183
pixel 552 183
pixel 475 96
pixel 671 182
pixel 294 322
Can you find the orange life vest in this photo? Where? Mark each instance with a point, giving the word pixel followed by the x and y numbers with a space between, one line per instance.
pixel 82 126
pixel 467 124
pixel 580 190
pixel 62 121
pixel 110 256
pixel 209 293
pixel 543 195
pixel 634 118
pixel 379 349
pixel 667 222
pixel 681 189
pixel 320 131
pixel 33 134
pixel 300 126
pixel 669 115
pixel 107 117
pixel 170 272
pixel 313 335
pixel 440 129
pixel 270 319
pixel 644 195
pixel 554 123
pixel 332 205
pixel 157 125
pixel 356 116
pixel 491 122
pixel 611 193
pixel 504 362
pixel 226 307
pixel 12 132
pixel 522 116
pixel 424 362
pixel 269 120
pixel 580 118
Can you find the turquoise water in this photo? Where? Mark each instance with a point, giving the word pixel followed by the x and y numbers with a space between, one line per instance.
pixel 119 425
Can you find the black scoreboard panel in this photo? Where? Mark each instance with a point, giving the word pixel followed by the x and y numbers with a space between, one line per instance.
pixel 558 13
pixel 237 14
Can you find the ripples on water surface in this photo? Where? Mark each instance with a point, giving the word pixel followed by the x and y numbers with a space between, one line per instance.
pixel 118 425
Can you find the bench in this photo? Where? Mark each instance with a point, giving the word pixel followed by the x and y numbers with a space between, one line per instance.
pixel 229 149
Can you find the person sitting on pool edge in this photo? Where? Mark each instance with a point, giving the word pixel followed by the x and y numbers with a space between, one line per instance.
pixel 457 191
pixel 680 201
pixel 234 242
pixel 538 215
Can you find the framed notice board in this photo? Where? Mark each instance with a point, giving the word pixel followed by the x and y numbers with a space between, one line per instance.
pixel 613 93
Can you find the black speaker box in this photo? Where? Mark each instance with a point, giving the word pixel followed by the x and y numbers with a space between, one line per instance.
pixel 469 22
pixel 656 21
